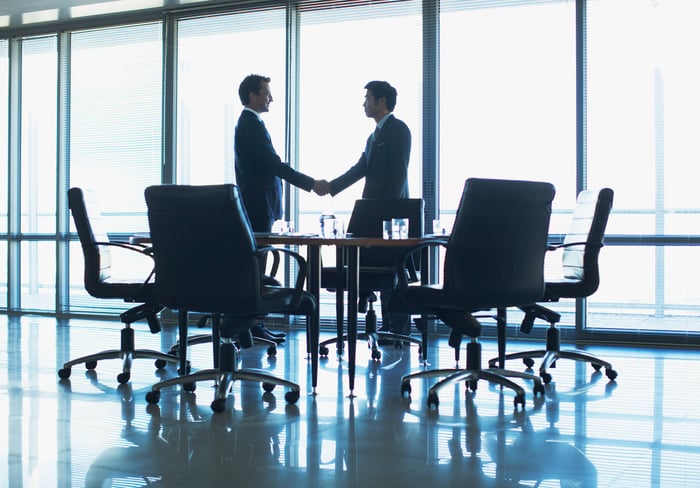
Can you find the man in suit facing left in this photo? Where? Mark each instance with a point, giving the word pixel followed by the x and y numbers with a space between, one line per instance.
pixel 259 170
pixel 384 166
pixel 384 162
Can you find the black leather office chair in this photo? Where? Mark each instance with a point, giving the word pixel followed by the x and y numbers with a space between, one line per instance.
pixel 207 261
pixel 99 283
pixel 494 259
pixel 580 278
pixel 377 267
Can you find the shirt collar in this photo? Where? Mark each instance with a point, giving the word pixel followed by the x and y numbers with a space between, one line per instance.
pixel 256 114
pixel 380 124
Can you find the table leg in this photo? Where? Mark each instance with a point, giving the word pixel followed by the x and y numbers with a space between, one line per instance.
pixel 353 291
pixel 339 296
pixel 312 330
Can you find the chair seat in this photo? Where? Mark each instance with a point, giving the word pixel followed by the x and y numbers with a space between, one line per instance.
pixel 276 299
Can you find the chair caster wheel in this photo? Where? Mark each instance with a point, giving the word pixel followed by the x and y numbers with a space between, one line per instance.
pixel 529 362
pixel 189 387
pixel 376 354
pixel 272 351
pixel 90 365
pixel 64 373
pixel 519 400
pixel 218 405
pixel 472 384
pixel 268 387
pixel 611 374
pixel 323 352
pixel 292 396
pixel 433 400
pixel 546 377
pixel 153 397
pixel 123 378
pixel 538 389
pixel 161 363
pixel 405 389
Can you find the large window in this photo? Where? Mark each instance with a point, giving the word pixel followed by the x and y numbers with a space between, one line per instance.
pixel 643 74
pixel 115 129
pixel 214 55
pixel 38 171
pixel 509 86
pixel 340 50
pixel 4 82
pixel 507 96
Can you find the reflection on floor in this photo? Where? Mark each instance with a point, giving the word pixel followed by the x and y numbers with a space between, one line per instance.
pixel 642 431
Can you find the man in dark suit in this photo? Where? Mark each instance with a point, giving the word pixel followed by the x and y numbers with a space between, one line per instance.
pixel 384 162
pixel 384 166
pixel 259 170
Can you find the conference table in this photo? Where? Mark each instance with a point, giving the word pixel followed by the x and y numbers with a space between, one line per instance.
pixel 349 255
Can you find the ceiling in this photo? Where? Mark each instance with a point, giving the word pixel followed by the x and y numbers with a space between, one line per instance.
pixel 33 14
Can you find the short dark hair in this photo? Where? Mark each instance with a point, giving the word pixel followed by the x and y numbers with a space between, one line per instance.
pixel 251 83
pixel 383 89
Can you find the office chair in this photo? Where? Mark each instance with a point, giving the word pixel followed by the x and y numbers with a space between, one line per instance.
pixel 215 320
pixel 99 283
pixel 377 268
pixel 494 259
pixel 207 261
pixel 580 279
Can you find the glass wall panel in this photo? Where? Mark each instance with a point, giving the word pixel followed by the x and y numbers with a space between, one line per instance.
pixel 3 277
pixel 214 55
pixel 643 73
pixel 116 119
pixel 38 150
pixel 4 87
pixel 38 270
pixel 115 131
pixel 341 50
pixel 507 96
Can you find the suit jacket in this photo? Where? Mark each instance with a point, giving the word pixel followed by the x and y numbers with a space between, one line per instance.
pixel 383 164
pixel 259 170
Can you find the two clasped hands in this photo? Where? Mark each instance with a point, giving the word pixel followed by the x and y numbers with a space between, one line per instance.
pixel 321 187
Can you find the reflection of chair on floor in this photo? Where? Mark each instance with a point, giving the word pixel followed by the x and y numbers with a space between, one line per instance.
pixel 182 447
pixel 542 455
pixel 377 267
pixel 494 259
pixel 581 277
pixel 207 261
pixel 100 283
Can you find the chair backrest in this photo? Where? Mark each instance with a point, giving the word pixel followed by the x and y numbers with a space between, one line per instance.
pixel 204 249
pixel 495 254
pixel 89 225
pixel 366 221
pixel 580 262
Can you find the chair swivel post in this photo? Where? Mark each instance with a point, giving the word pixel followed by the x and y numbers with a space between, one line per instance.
pixel 553 338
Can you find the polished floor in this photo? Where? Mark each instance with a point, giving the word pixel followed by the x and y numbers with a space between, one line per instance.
pixel 643 430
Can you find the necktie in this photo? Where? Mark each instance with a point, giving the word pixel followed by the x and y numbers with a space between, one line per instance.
pixel 375 134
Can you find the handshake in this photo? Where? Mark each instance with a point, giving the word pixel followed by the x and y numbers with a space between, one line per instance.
pixel 321 187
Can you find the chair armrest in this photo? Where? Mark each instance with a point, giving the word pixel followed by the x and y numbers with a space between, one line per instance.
pixel 301 274
pixel 139 248
pixel 554 247
pixel 401 263
pixel 142 249
pixel 275 251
